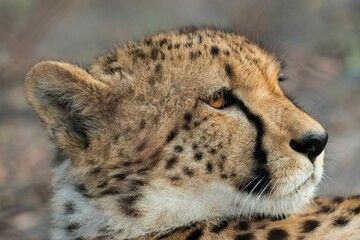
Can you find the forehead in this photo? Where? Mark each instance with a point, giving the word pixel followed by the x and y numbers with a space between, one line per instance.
pixel 207 55
pixel 217 44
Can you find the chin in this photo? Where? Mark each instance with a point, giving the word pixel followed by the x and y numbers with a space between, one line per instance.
pixel 266 205
pixel 283 201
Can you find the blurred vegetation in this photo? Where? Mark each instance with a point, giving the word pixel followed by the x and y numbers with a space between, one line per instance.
pixel 318 38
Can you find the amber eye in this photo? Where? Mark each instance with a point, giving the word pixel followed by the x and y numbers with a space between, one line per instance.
pixel 220 99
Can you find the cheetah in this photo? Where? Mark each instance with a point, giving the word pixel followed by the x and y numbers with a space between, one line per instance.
pixel 184 135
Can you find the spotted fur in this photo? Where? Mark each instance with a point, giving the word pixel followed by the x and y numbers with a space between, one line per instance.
pixel 149 157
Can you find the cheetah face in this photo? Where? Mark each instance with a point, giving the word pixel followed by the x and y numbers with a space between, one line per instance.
pixel 190 123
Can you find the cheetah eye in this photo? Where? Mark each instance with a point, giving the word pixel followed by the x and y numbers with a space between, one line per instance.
pixel 220 99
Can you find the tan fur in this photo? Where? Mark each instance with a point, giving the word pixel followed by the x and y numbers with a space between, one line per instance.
pixel 148 154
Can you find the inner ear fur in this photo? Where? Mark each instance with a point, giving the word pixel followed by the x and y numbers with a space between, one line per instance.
pixel 71 103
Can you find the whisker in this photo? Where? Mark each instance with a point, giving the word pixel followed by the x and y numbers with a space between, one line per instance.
pixel 335 142
pixel 250 193
pixel 328 178
pixel 315 105
pixel 335 152
pixel 240 192
pixel 242 189
pixel 253 189
pixel 332 162
pixel 324 184
pixel 259 195
pixel 255 201
pixel 273 187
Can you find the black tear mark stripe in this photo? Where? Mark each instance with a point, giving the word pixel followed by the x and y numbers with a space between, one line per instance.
pixel 262 176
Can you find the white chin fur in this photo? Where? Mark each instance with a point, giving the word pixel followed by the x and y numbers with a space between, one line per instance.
pixel 301 179
pixel 171 206
pixel 214 200
pixel 167 207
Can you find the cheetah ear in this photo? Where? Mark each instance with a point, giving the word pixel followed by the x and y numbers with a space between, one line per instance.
pixel 70 102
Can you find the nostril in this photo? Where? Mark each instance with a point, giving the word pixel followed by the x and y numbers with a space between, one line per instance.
pixel 311 145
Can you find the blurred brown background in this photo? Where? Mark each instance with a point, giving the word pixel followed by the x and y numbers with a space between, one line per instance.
pixel 318 38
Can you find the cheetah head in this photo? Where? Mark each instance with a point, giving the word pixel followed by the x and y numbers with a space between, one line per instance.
pixel 180 127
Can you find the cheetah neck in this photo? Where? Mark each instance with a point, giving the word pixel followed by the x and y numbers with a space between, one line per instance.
pixel 172 207
pixel 163 208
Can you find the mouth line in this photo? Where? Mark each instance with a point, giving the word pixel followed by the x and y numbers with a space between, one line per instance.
pixel 297 189
pixel 300 186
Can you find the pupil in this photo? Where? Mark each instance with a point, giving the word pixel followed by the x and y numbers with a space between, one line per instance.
pixel 217 96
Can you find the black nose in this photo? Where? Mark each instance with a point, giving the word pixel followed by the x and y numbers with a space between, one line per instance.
pixel 311 145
